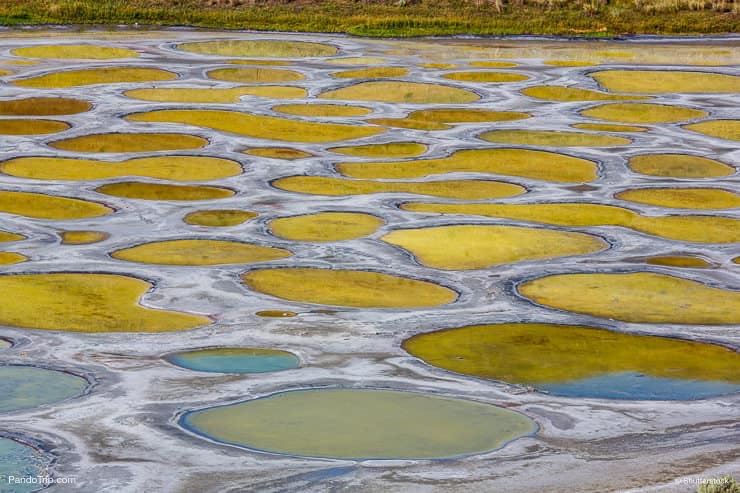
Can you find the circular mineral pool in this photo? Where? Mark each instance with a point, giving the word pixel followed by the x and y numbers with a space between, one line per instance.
pixel 21 461
pixel 26 387
pixel 235 360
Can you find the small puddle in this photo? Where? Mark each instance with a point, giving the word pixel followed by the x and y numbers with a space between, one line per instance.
pixel 82 237
pixel 361 289
pixel 575 361
pixel 199 252
pixel 455 189
pixel 402 92
pixel 77 302
pixel 214 95
pixel 267 48
pixel 41 206
pixel 724 129
pixel 43 107
pixel 22 461
pixel 219 218
pixel 540 165
pixel 276 314
pixel 679 166
pixel 389 150
pixel 553 138
pixel 254 75
pixel 325 226
pixel 178 168
pixel 683 198
pixel 666 81
pixel 680 261
pixel 361 424
pixel 160 191
pixel 321 110
pixel 263 127
pixel 27 387
pixel 642 113
pixel 86 52
pixel 482 246
pixel 235 360
pixel 640 297
pixel 111 75
pixel 31 127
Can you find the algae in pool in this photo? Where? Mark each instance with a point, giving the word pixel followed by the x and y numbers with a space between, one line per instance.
pixel 575 361
pixel 5 236
pixel 31 127
pixel 26 387
pixel 701 229
pixel 263 127
pixel 608 127
pixel 402 92
pixel 359 289
pixel 492 64
pixel 268 48
pixel 235 360
pixel 199 252
pixel 361 424
pixel 82 237
pixel 640 297
pixel 683 198
pixel 41 206
pixel 178 168
pixel 321 110
pixel 219 218
pixel 276 314
pixel 390 150
pixel 111 75
pixel 456 189
pixel 130 142
pixel 464 115
pixel 540 165
pixel 77 302
pixel 90 52
pixel 9 258
pixel 552 138
pixel 325 226
pixel 278 152
pixel 476 246
pixel 569 63
pixel 681 261
pixel 255 75
pixel 563 93
pixel 372 73
pixel 486 76
pixel 161 191
pixel 666 81
pixel 22 461
pixel 38 106
pixel 643 113
pixel 214 95
pixel 357 60
pixel 724 129
pixel 679 166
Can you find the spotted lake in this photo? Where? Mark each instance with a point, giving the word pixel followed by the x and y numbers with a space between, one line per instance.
pixel 272 262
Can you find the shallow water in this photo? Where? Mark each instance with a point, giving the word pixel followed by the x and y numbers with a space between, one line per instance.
pixel 26 387
pixel 380 190
pixel 235 360
pixel 22 461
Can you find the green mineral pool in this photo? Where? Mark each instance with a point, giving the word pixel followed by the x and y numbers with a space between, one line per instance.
pixel 360 424
pixel 235 360
pixel 19 460
pixel 26 387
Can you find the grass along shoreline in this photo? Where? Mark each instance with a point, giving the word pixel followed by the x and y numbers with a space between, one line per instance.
pixel 398 18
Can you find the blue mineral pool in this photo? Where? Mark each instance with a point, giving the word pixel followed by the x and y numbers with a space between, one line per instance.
pixel 26 387
pixel 18 460
pixel 235 360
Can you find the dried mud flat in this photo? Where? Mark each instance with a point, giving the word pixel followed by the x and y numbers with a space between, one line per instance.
pixel 124 231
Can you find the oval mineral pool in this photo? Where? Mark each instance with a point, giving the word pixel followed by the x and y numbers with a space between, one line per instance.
pixel 486 76
pixel 608 127
pixel 42 206
pixel 214 95
pixel 43 107
pixel 268 48
pixel 723 129
pixel 253 75
pixel 564 93
pixel 22 461
pixel 353 288
pixel 478 246
pixel 552 138
pixel 277 153
pixel 235 360
pixel 643 113
pixel 219 218
pixel 389 150
pixel 402 92
pixel 372 73
pixel 682 261
pixel 325 226
pixel 163 191
pixel 5 236
pixel 666 81
pixel 27 387
pixel 276 314
pixel 575 361
pixel 456 189
pixel 86 303
pixel 640 297
pixel 130 142
pixel 111 75
pixel 679 166
pixel 9 258
pixel 361 424
pixel 321 110
pixel 82 237
pixel 683 198
pixel 199 252
pixel 31 127
pixel 88 52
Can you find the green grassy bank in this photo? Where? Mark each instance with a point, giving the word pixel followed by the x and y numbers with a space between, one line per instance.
pixel 396 17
